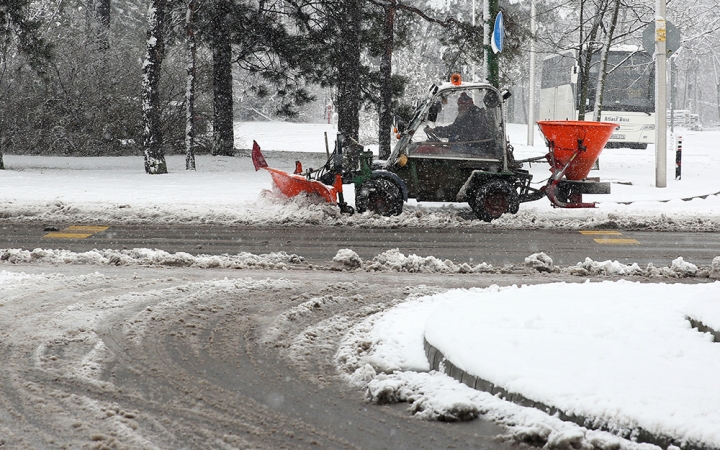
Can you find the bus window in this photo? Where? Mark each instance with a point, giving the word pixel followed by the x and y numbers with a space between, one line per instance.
pixel 557 71
pixel 629 85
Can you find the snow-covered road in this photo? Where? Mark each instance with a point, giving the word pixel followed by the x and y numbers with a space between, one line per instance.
pixel 148 357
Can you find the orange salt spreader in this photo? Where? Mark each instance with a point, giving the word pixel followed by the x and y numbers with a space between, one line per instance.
pixel 574 148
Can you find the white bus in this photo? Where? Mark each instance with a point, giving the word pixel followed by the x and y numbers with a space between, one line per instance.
pixel 628 100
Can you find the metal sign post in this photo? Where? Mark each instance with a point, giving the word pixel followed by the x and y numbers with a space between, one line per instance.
pixel 486 38
pixel 660 96
pixel 493 41
pixel 678 159
pixel 531 99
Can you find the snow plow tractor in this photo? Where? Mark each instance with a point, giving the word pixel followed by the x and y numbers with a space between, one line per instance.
pixel 454 149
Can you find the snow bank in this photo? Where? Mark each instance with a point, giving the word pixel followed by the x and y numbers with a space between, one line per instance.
pixel 148 257
pixel 348 260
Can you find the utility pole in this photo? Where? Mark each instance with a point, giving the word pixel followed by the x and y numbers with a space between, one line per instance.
pixel 531 99
pixel 660 95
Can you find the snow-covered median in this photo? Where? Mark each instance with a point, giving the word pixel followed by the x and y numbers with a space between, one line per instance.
pixel 621 354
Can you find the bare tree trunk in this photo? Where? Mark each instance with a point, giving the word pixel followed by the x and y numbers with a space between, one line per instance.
pixel 190 90
pixel 348 80
pixel 223 134
pixel 386 118
pixel 602 74
pixel 153 139
pixel 585 56
pixel 103 15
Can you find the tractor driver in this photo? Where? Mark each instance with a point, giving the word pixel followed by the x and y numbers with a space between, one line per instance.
pixel 471 124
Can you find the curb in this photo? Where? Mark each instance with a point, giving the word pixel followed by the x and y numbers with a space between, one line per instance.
pixel 439 363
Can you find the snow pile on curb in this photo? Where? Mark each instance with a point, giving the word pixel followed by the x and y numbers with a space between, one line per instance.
pixel 348 260
pixel 678 269
pixel 540 262
pixel 147 257
pixel 435 396
pixel 395 261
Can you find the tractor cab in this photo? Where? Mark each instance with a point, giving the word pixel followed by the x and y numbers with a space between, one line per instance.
pixel 461 123
pixel 457 131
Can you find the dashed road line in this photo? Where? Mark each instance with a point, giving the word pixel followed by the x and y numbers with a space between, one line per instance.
pixel 609 240
pixel 616 241
pixel 76 232
pixel 600 232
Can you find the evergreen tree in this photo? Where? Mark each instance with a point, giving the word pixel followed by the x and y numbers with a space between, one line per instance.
pixel 223 136
pixel 21 32
pixel 254 37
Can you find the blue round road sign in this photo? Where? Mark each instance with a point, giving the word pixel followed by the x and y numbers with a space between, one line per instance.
pixel 498 35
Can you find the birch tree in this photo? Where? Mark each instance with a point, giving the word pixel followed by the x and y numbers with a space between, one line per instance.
pixel 602 74
pixel 586 50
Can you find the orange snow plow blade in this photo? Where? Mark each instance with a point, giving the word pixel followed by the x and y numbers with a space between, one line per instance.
pixel 291 184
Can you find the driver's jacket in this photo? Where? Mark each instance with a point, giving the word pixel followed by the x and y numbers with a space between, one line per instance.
pixel 471 126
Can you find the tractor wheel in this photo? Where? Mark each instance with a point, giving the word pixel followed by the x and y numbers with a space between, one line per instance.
pixel 493 199
pixel 380 196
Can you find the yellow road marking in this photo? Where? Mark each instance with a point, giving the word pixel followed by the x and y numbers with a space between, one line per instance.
pixel 616 241
pixel 600 232
pixel 76 232
pixel 59 235
pixel 88 228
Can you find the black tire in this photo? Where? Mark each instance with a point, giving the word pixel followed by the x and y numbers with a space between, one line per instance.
pixel 493 199
pixel 381 196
